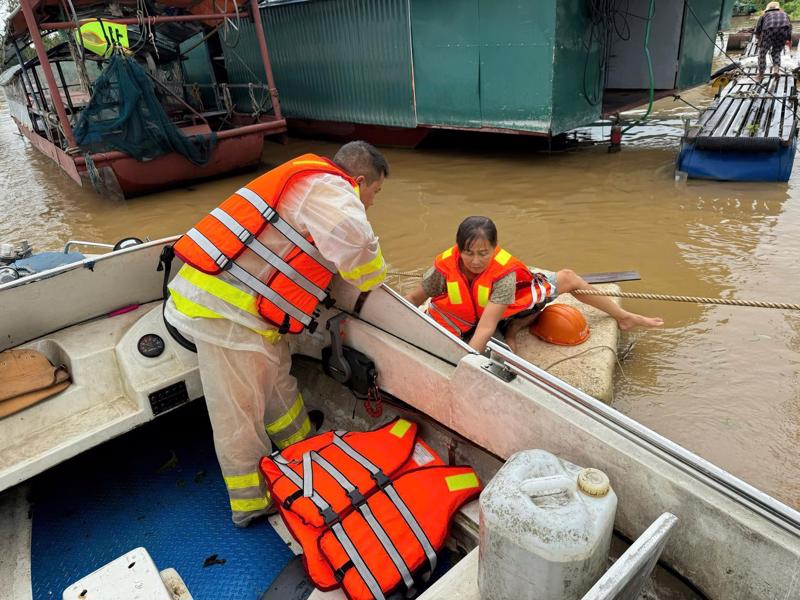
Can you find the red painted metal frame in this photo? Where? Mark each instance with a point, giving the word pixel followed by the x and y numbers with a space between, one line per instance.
pixel 55 94
pixel 145 20
pixel 262 47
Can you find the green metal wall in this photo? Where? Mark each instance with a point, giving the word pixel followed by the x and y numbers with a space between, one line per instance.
pixel 701 17
pixel 446 62
pixel 483 63
pixel 517 42
pixel 507 64
pixel 341 60
pixel 576 69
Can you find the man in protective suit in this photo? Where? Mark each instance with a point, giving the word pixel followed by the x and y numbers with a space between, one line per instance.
pixel 244 360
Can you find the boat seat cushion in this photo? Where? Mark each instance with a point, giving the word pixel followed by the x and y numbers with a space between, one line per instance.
pixel 27 377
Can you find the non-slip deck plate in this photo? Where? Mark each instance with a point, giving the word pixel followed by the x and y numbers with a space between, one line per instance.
pixel 131 492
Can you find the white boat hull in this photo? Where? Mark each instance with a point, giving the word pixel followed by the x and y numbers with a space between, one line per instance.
pixel 732 541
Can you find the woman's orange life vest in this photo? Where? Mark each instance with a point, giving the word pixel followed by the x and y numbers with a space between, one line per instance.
pixel 300 279
pixel 461 305
pixel 361 527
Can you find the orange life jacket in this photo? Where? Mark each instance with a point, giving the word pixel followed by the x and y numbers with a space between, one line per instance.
pixel 341 503
pixel 460 307
pixel 319 570
pixel 300 279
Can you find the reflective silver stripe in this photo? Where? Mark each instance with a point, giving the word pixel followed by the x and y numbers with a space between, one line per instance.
pixel 387 544
pixel 412 523
pixel 332 471
pixel 260 288
pixel 318 501
pixel 232 224
pixel 216 255
pixel 354 454
pixel 257 201
pixel 358 563
pixel 308 475
pixel 441 313
pixel 289 232
pixel 285 268
pixel 373 523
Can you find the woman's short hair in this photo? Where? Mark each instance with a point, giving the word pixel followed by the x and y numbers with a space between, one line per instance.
pixel 475 228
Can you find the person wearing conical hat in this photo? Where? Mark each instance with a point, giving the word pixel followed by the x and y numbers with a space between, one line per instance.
pixel 773 30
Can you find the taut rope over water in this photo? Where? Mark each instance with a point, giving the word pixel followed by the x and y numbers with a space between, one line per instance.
pixel 696 299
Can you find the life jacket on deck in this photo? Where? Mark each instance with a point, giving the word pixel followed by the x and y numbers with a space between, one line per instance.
pixel 460 307
pixel 363 528
pixel 289 297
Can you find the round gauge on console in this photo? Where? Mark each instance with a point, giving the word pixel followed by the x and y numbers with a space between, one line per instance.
pixel 150 345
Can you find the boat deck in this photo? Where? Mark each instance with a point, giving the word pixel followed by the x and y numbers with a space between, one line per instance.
pixel 750 115
pixel 749 132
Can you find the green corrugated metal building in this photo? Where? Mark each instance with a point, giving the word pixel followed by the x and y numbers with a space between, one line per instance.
pixel 537 66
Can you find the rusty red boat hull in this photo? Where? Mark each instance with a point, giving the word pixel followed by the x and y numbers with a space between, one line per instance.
pixel 236 149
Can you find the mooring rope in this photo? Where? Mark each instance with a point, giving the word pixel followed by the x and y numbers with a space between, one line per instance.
pixel 664 297
pixel 405 274
pixel 696 299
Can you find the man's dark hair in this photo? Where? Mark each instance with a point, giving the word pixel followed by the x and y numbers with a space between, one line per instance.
pixel 475 228
pixel 360 158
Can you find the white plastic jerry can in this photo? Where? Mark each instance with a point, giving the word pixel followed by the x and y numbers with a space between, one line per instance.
pixel 545 529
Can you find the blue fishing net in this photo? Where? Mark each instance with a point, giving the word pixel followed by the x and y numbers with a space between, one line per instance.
pixel 125 114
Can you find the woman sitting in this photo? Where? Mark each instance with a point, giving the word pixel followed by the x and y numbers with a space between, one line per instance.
pixel 477 288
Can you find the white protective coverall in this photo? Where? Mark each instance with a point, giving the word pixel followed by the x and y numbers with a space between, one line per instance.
pixel 244 364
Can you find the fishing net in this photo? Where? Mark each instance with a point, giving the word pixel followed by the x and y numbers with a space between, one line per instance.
pixel 125 114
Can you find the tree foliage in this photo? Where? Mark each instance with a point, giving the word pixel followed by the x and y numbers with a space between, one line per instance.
pixel 791 7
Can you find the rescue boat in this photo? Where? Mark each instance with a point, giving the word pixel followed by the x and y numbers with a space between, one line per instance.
pixel 122 458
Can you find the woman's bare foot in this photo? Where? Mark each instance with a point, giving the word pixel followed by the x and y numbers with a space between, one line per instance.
pixel 631 320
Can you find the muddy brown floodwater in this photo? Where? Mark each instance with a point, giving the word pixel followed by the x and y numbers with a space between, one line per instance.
pixel 722 381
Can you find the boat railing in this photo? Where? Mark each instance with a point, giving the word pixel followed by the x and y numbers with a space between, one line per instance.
pixel 693 465
pixel 71 243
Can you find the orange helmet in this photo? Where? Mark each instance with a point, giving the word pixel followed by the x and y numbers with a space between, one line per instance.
pixel 561 324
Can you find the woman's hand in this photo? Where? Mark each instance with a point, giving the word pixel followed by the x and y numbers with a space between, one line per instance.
pixel 417 296
pixel 487 325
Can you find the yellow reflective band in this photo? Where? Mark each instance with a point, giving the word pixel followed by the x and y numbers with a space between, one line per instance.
pixel 287 418
pixel 483 295
pixel 447 253
pixel 249 504
pixel 238 482
pixel 297 437
pixel 367 285
pixel 375 264
pixel 502 257
pixel 221 289
pixel 453 292
pixel 400 428
pixel 192 309
pixel 310 162
pixel 461 482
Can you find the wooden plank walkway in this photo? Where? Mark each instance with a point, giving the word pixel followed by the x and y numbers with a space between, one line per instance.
pixel 747 109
